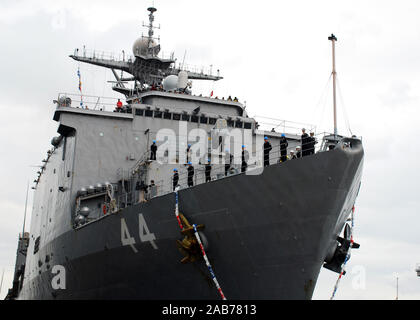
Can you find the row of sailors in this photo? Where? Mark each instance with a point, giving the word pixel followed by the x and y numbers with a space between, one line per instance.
pixel 229 99
pixel 307 148
pixel 230 160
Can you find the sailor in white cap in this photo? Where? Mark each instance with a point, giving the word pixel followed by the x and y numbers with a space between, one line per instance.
pixel 298 152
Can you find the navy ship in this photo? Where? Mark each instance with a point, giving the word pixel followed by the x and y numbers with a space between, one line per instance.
pixel 134 194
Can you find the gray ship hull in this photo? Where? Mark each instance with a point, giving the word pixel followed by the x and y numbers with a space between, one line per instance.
pixel 268 236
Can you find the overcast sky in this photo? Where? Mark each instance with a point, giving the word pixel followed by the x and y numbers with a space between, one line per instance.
pixel 275 56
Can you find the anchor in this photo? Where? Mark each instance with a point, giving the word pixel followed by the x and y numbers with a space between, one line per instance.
pixel 189 245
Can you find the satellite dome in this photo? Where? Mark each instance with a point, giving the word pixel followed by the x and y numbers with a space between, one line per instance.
pixel 141 45
pixel 182 79
pixel 170 83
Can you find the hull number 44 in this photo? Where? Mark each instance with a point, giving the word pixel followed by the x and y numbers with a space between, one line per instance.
pixel 144 234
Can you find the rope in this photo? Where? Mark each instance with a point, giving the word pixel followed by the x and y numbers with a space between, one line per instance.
pixel 176 208
pixel 346 118
pixel 322 103
pixel 203 252
pixel 208 263
pixel 347 256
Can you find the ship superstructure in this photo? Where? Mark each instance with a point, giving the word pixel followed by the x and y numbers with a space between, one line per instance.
pixel 103 208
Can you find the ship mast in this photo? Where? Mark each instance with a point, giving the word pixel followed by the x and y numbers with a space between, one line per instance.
pixel 334 74
pixel 150 32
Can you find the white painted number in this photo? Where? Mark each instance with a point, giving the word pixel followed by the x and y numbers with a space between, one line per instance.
pixel 126 239
pixel 144 233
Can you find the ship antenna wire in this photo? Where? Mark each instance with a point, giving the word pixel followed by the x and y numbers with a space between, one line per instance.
pixel 323 100
pixel 344 108
pixel 183 60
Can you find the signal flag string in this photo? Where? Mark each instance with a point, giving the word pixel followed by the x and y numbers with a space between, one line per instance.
pixel 347 256
pixel 80 87
pixel 203 252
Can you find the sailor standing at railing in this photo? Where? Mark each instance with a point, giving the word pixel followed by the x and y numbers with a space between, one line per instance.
pixel 312 143
pixel 119 105
pixel 208 171
pixel 175 178
pixel 298 152
pixel 267 149
pixel 283 147
pixel 153 149
pixel 305 143
pixel 244 164
pixel 190 170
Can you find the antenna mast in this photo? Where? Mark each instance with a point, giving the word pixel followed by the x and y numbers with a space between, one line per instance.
pixel 151 19
pixel 151 49
pixel 334 74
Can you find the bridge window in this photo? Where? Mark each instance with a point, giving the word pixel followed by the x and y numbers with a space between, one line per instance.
pixel 176 116
pixel 212 120
pixel 185 117
pixel 167 115
pixel 247 125
pixel 139 112
pixel 194 119
pixel 203 120
pixel 238 124
pixel 158 114
pixel 148 113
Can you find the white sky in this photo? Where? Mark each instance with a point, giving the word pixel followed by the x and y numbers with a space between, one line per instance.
pixel 274 55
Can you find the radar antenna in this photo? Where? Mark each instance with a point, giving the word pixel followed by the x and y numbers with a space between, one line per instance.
pixel 151 32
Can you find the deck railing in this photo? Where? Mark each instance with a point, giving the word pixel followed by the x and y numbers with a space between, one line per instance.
pixel 132 195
